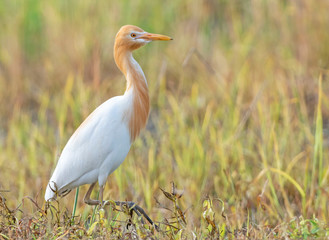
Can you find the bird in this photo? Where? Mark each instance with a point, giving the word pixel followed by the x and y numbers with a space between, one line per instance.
pixel 101 143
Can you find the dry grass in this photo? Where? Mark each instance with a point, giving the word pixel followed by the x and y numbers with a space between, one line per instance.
pixel 239 116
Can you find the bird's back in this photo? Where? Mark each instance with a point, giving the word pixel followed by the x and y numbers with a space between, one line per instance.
pixel 95 150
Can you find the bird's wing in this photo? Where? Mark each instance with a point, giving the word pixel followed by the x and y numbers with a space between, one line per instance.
pixel 91 144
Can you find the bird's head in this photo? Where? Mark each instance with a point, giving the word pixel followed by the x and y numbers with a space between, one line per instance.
pixel 131 38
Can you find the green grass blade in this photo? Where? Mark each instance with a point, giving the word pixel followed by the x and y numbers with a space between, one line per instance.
pixel 75 204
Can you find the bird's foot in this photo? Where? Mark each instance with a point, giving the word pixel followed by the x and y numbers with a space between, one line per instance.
pixel 106 202
pixel 91 202
pixel 131 206
pixel 126 206
pixel 94 202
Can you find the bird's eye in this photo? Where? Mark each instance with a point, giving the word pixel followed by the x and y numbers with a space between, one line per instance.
pixel 133 35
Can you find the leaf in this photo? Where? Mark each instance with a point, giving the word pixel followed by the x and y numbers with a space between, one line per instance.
pixel 179 234
pixel 181 214
pixel 169 195
pixel 91 229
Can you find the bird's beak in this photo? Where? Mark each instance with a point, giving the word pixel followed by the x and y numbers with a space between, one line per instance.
pixel 154 37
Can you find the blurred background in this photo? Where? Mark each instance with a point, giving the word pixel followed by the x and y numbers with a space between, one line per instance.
pixel 239 101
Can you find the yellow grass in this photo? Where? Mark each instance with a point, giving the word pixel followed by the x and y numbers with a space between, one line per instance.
pixel 239 109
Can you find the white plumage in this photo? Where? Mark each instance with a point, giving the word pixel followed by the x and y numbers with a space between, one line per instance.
pixel 96 149
pixel 103 140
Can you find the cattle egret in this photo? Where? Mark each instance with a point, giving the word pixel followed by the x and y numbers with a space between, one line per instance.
pixel 103 140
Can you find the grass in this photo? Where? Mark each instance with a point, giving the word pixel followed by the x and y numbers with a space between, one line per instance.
pixel 239 117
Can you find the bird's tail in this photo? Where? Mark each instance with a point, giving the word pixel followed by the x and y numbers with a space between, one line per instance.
pixel 50 192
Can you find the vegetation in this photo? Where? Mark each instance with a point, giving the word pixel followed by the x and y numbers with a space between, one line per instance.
pixel 239 118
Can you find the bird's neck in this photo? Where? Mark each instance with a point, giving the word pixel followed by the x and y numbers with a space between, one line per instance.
pixel 138 112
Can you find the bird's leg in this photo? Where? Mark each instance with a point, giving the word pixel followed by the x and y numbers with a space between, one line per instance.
pixel 101 189
pixel 87 199
pixel 131 205
pixel 101 202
